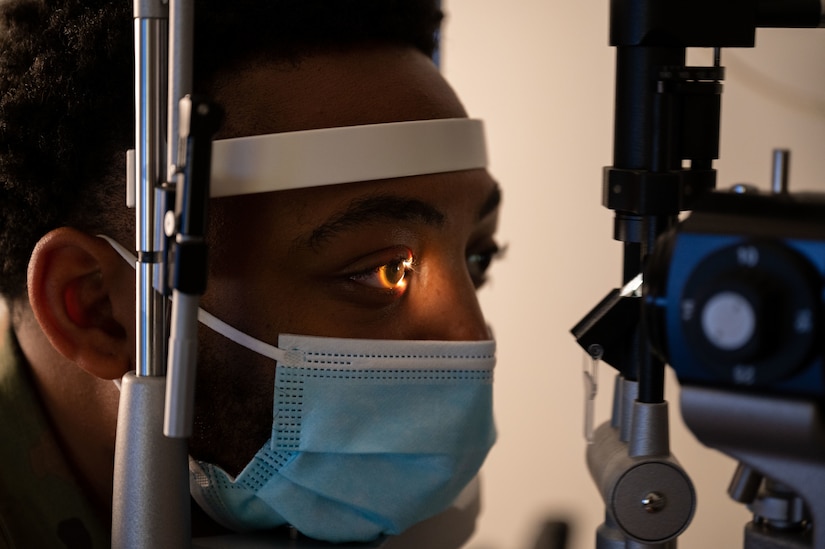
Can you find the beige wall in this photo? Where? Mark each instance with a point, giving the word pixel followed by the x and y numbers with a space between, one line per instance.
pixel 540 72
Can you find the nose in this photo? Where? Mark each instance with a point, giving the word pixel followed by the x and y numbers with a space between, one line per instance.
pixel 448 308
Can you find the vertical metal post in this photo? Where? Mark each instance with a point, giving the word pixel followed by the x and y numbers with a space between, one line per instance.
pixel 151 37
pixel 181 38
pixel 151 505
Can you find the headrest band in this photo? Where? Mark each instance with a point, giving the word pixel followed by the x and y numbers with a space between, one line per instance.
pixel 329 156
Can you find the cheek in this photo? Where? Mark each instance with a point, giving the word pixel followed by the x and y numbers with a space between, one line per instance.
pixel 233 403
pixel 263 307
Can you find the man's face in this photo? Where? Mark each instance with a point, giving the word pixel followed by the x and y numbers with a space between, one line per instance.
pixel 392 259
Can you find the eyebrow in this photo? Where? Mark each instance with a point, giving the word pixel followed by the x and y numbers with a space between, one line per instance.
pixel 373 209
pixel 385 207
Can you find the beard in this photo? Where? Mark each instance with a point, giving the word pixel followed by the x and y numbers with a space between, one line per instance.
pixel 233 411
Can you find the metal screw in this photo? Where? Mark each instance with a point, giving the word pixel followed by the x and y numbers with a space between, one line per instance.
pixel 653 502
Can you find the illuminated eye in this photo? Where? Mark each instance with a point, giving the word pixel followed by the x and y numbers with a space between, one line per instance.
pixel 389 276
pixel 392 274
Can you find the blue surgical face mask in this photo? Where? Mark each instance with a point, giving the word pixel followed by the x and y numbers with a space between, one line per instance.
pixel 369 437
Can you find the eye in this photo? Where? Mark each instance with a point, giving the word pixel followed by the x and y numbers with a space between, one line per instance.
pixel 478 263
pixel 391 276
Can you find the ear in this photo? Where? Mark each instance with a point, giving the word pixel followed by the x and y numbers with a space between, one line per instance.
pixel 82 294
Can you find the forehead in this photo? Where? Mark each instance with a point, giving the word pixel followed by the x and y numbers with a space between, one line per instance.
pixel 281 220
pixel 365 85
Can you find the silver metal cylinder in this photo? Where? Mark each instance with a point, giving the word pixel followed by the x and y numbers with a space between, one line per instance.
pixel 150 137
pixel 181 38
pixel 649 499
pixel 781 167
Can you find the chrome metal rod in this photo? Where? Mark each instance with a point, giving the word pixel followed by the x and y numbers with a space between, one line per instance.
pixel 151 35
pixel 779 171
pixel 181 37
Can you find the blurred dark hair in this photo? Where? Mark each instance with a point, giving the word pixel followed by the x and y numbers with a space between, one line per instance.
pixel 66 95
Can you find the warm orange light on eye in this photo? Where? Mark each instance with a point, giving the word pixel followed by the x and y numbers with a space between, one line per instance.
pixel 392 276
pixel 389 273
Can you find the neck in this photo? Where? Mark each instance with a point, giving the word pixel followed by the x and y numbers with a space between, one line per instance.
pixel 81 409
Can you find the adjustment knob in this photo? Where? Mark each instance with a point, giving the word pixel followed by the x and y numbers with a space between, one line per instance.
pixel 748 313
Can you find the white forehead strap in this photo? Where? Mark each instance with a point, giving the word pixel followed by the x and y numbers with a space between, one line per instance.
pixel 312 158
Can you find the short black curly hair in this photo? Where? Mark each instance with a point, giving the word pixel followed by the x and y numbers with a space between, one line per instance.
pixel 66 95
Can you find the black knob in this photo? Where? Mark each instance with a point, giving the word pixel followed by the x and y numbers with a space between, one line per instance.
pixel 749 311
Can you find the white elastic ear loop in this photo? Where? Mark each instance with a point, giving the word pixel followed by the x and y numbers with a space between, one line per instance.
pixel 210 320
pixel 242 339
